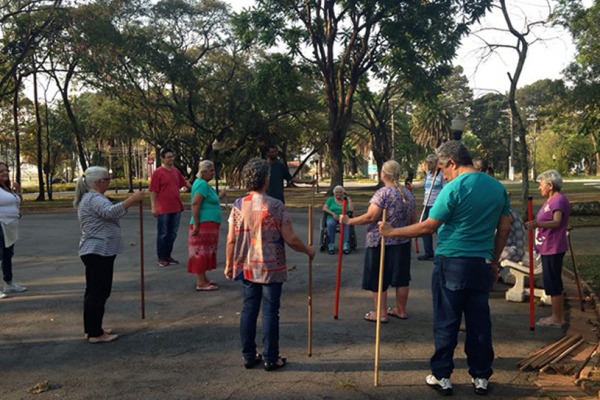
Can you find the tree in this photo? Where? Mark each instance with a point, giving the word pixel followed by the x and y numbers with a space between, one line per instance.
pixel 520 29
pixel 345 40
pixel 584 72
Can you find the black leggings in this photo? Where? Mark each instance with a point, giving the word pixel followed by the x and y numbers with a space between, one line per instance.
pixel 98 284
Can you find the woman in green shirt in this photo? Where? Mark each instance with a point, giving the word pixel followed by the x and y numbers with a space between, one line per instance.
pixel 333 209
pixel 203 239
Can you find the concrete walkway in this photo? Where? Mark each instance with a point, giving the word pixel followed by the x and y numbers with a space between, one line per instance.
pixel 188 345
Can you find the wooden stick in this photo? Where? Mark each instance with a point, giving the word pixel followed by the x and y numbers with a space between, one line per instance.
pixel 587 359
pixel 310 243
pixel 379 291
pixel 541 350
pixel 142 289
pixel 531 277
pixel 575 272
pixel 562 355
pixel 338 280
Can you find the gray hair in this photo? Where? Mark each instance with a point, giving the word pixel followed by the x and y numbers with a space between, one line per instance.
pixel 255 174
pixel 552 177
pixel 453 150
pixel 431 157
pixel 88 181
pixel 339 188
pixel 391 168
pixel 204 166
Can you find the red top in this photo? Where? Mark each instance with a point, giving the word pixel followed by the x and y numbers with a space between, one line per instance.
pixel 166 184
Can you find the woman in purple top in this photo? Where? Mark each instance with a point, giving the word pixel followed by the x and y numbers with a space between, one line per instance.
pixel 551 242
pixel 399 204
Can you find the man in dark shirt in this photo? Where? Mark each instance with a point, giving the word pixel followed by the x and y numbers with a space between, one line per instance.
pixel 279 173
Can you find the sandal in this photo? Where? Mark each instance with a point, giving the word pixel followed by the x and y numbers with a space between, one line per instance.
pixel 208 288
pixel 370 316
pixel 547 323
pixel 392 313
pixel 280 363
pixel 257 360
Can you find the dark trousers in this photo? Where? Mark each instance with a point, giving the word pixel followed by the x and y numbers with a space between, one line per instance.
pixel 269 294
pixel 167 227
pixel 98 284
pixel 7 255
pixel 461 285
pixel 427 239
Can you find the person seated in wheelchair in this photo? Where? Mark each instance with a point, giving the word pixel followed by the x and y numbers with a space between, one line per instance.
pixel 333 209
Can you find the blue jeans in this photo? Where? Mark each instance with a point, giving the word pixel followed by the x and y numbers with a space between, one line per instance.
pixel 332 225
pixel 167 225
pixel 427 239
pixel 270 295
pixel 461 285
pixel 6 255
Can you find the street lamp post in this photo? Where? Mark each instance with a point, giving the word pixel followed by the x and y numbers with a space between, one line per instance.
pixel 217 146
pixel 457 126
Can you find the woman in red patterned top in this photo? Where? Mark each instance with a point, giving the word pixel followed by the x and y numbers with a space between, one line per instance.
pixel 259 228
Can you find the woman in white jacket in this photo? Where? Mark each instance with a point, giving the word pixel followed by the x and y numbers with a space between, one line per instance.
pixel 10 201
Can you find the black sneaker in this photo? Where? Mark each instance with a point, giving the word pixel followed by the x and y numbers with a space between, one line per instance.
pixel 425 257
pixel 442 386
pixel 480 385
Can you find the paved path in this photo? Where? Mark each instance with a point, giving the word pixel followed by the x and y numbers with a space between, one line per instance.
pixel 188 345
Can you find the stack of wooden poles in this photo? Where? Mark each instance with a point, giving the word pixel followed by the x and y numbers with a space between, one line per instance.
pixel 547 357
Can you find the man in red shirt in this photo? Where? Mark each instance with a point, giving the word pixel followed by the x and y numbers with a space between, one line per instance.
pixel 166 203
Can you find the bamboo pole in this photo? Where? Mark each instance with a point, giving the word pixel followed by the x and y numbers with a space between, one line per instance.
pixel 142 287
pixel 575 272
pixel 379 291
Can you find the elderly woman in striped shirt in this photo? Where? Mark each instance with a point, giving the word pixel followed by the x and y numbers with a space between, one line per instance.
pixel 100 242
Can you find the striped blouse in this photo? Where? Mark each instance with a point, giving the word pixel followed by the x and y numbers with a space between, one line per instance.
pixel 99 222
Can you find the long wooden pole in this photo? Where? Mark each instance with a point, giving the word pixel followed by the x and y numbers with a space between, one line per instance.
pixel 338 279
pixel 575 272
pixel 379 291
pixel 310 243
pixel 142 289
pixel 531 277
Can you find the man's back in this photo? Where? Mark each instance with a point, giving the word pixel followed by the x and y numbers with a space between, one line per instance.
pixel 470 207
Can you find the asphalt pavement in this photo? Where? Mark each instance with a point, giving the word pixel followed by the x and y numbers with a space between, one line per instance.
pixel 187 347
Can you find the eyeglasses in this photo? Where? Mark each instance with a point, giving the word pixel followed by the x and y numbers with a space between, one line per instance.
pixel 104 180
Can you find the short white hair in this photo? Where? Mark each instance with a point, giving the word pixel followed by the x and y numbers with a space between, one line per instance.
pixel 204 166
pixel 339 188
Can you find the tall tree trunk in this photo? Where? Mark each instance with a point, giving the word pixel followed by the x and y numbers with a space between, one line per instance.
pixel 596 152
pixel 38 138
pixel 518 127
pixel 130 163
pixel 48 156
pixel 17 166
pixel 64 92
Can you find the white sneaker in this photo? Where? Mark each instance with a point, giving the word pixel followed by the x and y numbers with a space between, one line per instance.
pixel 443 386
pixel 3 295
pixel 13 288
pixel 480 385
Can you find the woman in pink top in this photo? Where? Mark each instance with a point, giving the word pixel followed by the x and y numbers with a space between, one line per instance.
pixel 551 242
pixel 259 229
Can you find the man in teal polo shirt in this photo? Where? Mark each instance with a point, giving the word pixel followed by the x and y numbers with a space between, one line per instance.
pixel 472 218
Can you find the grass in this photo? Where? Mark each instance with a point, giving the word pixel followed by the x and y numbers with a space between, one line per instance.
pixel 588 267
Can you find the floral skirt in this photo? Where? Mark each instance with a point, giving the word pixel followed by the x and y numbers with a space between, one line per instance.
pixel 202 254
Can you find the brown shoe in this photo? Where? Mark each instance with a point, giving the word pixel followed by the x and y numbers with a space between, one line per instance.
pixel 105 338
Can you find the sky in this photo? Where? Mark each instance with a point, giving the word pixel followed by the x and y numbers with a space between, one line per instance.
pixel 546 58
